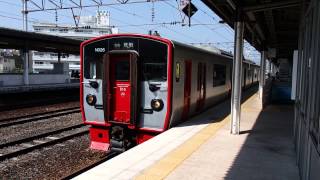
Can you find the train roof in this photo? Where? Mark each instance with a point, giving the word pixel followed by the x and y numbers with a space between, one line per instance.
pixel 217 52
pixel 205 50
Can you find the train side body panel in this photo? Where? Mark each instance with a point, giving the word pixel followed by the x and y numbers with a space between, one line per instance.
pixel 213 94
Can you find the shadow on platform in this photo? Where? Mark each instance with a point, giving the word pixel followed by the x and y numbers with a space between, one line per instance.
pixel 219 111
pixel 268 150
pixel 263 150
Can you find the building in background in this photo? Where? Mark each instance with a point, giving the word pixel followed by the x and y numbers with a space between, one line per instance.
pixel 88 27
pixel 10 61
pixel 7 65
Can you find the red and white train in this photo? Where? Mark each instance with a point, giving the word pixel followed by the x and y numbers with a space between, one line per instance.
pixel 134 87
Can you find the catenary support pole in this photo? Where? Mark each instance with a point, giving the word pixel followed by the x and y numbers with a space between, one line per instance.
pixel 25 51
pixel 237 76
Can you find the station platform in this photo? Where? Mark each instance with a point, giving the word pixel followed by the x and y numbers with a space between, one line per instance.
pixel 38 87
pixel 203 148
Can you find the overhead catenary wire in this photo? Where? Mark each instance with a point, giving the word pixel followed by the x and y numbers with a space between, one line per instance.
pixel 16 15
pixel 141 17
pixel 228 28
pixel 15 18
pixel 162 25
pixel 18 18
pixel 83 6
pixel 173 23
pixel 19 5
pixel 114 19
pixel 176 8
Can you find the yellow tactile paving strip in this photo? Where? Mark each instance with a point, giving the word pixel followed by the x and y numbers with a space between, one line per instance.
pixel 172 160
pixel 162 168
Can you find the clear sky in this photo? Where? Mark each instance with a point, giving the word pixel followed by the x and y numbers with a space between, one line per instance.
pixel 205 26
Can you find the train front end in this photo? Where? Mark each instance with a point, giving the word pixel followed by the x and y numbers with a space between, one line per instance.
pixel 125 89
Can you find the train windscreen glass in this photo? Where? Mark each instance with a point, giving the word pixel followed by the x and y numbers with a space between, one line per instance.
pixel 93 60
pixel 152 57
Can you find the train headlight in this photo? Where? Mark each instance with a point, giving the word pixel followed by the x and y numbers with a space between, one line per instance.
pixel 91 99
pixel 157 104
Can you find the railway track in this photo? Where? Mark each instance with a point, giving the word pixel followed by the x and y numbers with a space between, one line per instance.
pixel 37 117
pixel 28 104
pixel 26 145
pixel 84 169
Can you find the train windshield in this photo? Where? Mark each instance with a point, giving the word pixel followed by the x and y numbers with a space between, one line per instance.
pixel 154 71
pixel 93 60
pixel 152 57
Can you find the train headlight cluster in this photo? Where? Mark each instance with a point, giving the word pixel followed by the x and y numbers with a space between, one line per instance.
pixel 157 104
pixel 91 99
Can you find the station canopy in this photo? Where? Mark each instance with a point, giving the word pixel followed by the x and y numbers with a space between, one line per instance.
pixel 271 25
pixel 17 39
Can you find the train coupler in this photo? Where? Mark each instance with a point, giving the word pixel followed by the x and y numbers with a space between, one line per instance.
pixel 121 140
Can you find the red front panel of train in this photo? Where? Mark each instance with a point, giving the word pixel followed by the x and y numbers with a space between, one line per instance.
pixel 121 102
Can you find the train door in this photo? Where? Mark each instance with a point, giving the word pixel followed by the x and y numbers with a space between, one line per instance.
pixel 121 91
pixel 187 89
pixel 201 86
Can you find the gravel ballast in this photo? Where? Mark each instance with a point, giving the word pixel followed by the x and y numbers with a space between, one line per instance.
pixel 24 130
pixel 55 162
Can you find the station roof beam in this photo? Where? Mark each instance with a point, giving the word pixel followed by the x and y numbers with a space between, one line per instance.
pixel 16 39
pixel 268 23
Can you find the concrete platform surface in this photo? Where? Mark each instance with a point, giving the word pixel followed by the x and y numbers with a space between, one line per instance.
pixel 263 150
pixel 37 87
pixel 203 148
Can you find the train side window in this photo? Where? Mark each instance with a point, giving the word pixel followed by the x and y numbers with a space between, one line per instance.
pixel 219 75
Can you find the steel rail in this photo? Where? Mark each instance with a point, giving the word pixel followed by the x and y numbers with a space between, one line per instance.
pixel 41 145
pixel 37 114
pixel 44 117
pixel 27 139
pixel 36 103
